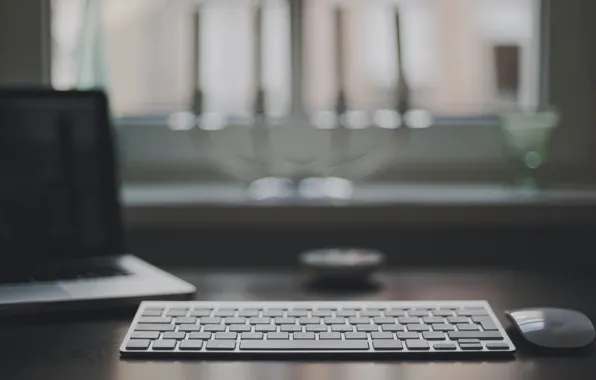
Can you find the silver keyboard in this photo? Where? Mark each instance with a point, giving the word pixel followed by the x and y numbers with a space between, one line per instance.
pixel 239 328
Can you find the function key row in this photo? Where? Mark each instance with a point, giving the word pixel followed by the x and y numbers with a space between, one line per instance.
pixel 318 312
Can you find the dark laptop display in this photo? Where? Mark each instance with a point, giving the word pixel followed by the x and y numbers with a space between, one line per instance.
pixel 61 236
pixel 56 159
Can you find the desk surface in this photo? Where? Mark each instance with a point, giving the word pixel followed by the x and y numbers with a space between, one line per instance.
pixel 84 347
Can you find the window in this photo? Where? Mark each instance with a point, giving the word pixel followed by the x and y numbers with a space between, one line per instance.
pixel 142 51
pixel 460 57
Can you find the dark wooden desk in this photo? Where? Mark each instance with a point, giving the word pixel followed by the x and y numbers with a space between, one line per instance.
pixel 86 348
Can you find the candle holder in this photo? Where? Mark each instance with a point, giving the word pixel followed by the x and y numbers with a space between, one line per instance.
pixel 285 158
pixel 316 156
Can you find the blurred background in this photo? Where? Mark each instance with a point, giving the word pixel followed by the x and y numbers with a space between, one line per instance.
pixel 457 53
pixel 459 59
pixel 491 107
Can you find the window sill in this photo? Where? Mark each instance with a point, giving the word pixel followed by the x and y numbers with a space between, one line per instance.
pixel 374 205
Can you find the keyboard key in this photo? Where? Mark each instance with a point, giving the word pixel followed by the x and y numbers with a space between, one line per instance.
pixel 367 328
pixel 407 335
pixel 418 312
pixel 305 345
pixel 417 344
pixel 249 313
pixel 469 341
pixel 174 335
pixel 392 328
pixel 381 335
pixel 189 328
pixel 470 346
pixel 210 320
pixel 290 328
pixel 155 308
pixel 224 313
pixel 408 320
pixel 152 312
pixel 284 321
pixel 309 321
pixel 419 327
pixel 359 320
pixel 486 323
pixel 252 335
pixel 383 320
pixel 239 328
pixel 304 335
pixel 395 313
pixel 346 313
pixel 177 313
pixel 370 313
pixel 154 327
pixel 273 313
pixel 389 345
pixel 145 335
pixel 200 313
pixel 482 335
pixel 214 328
pixel 223 345
pixel 335 321
pixel 443 327
pixel 431 320
pixel 433 335
pixel 138 344
pixel 265 328
pixel 497 346
pixel 330 335
pixel 355 335
pixel 455 320
pixel 155 320
pixel 442 313
pixel 226 335
pixel 259 321
pixel 278 335
pixel 467 327
pixel 342 328
pixel 322 313
pixel 316 328
pixel 200 335
pixel 445 346
pixel 164 344
pixel 235 320
pixel 191 345
pixel 297 313
pixel 470 312
pixel 185 320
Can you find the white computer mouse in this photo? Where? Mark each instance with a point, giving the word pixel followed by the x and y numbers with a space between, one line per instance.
pixel 553 328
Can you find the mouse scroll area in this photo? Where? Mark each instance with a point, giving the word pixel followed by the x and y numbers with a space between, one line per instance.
pixel 553 328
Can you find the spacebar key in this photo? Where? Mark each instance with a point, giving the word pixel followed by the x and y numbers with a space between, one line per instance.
pixel 304 345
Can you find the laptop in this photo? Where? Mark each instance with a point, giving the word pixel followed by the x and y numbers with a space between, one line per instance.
pixel 61 233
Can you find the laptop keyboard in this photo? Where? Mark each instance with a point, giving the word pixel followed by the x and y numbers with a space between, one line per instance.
pixel 238 328
pixel 63 273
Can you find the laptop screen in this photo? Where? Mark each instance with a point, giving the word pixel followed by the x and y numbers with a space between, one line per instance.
pixel 57 182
